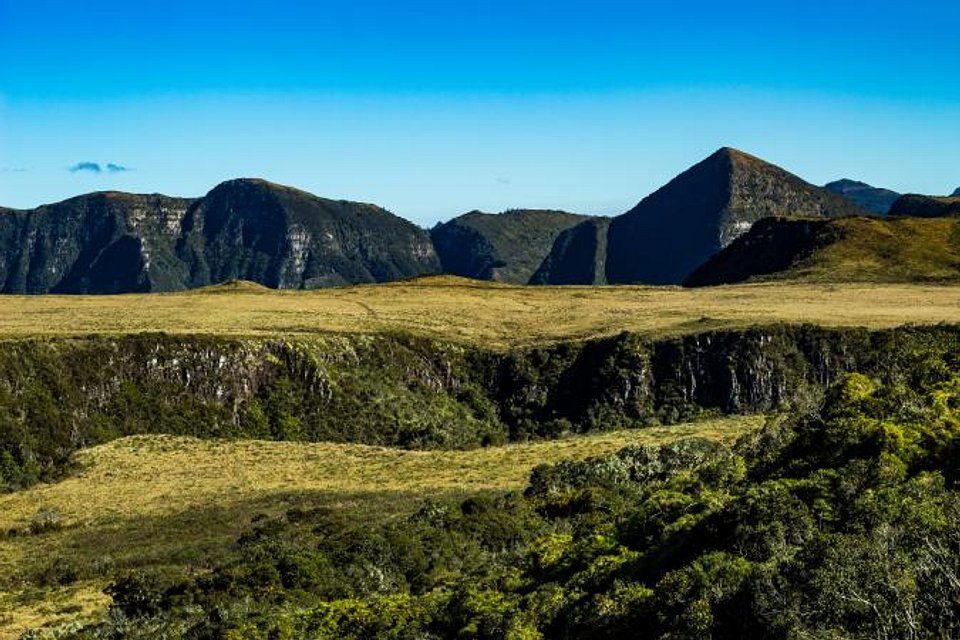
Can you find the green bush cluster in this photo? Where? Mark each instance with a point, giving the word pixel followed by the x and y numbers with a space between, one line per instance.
pixel 839 521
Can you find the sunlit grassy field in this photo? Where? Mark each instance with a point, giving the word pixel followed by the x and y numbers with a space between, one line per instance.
pixel 494 315
pixel 164 501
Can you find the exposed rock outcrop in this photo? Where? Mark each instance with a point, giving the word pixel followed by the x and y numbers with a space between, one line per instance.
pixel 578 256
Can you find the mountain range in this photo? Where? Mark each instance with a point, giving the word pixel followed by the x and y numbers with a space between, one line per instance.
pixel 690 230
pixel 254 230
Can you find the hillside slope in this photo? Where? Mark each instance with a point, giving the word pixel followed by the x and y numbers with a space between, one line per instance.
pixel 507 247
pixel 247 229
pixel 186 501
pixel 855 249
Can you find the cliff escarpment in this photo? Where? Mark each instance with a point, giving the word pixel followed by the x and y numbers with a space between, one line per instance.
pixel 58 396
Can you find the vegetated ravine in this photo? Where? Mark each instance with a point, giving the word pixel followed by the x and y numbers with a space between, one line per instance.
pixel 57 396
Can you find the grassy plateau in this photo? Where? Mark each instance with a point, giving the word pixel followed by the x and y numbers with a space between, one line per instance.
pixel 494 315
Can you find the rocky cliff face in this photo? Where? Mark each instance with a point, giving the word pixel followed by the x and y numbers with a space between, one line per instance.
pixel 506 247
pixel 98 243
pixel 674 230
pixel 242 229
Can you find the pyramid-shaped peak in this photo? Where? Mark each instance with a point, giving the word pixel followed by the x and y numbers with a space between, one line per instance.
pixel 679 226
pixel 740 159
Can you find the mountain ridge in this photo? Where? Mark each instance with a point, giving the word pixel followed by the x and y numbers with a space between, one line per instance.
pixel 283 237
pixel 921 206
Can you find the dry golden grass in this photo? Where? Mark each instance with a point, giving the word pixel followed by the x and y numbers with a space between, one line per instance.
pixel 167 501
pixel 495 315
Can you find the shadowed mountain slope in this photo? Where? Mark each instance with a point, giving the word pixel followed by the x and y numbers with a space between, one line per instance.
pixel 507 247
pixel 873 199
pixel 578 256
pixel 675 229
pixel 839 250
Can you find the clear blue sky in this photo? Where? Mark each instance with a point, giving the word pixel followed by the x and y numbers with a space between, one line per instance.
pixel 435 108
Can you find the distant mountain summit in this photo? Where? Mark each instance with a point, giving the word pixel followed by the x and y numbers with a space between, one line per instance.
pixel 675 229
pixel 956 193
pixel 243 229
pixel 290 239
pixel 506 247
pixel 873 199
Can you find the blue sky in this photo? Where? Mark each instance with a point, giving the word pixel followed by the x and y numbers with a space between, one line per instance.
pixel 435 108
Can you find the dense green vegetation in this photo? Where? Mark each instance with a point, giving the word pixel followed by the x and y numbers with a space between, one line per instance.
pixel 59 396
pixel 842 520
